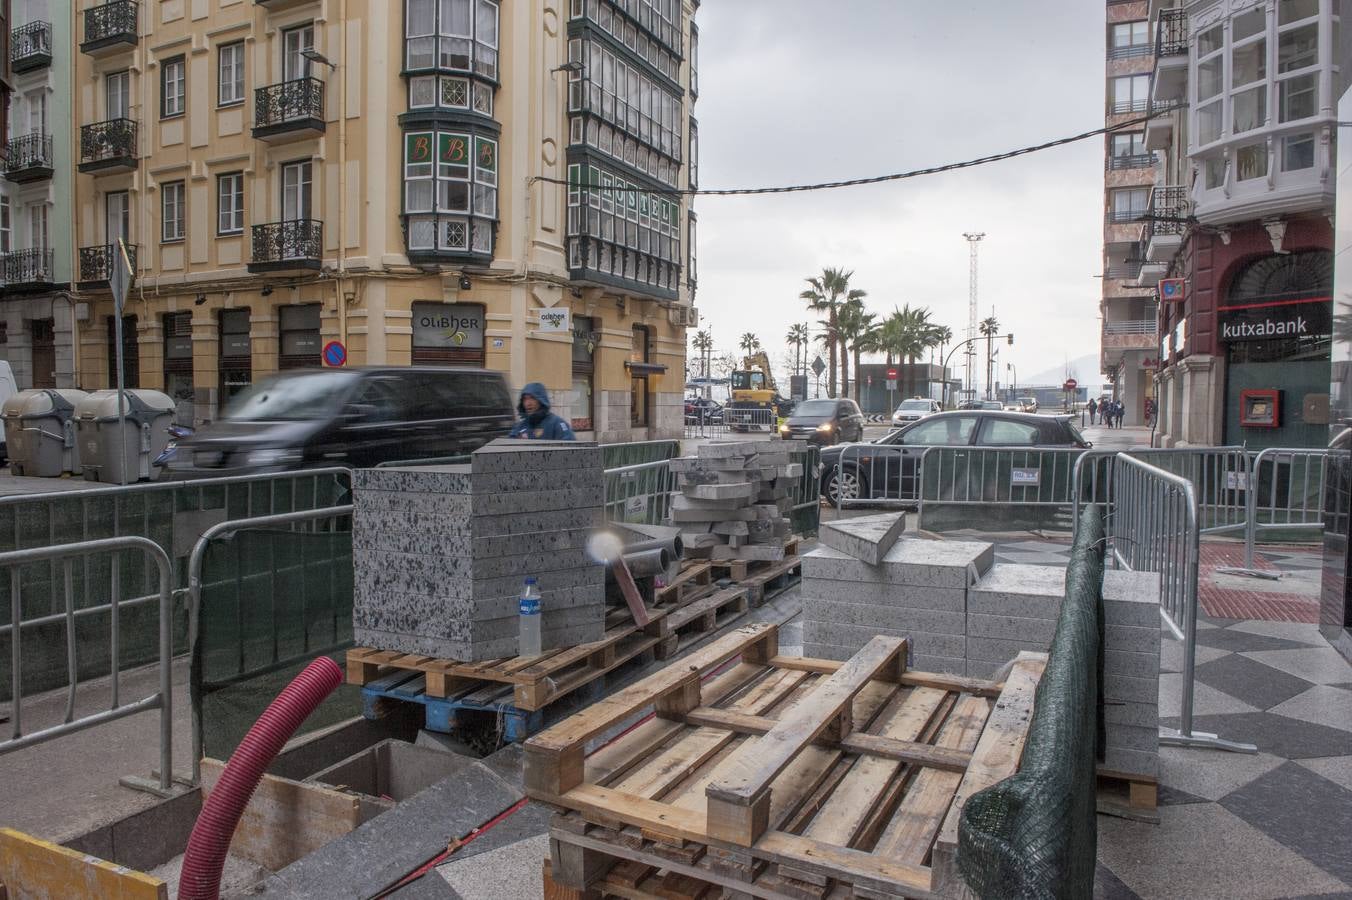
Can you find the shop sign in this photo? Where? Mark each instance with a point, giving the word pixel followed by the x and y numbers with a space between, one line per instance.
pixel 453 326
pixel 1172 290
pixel 1262 323
pixel 556 320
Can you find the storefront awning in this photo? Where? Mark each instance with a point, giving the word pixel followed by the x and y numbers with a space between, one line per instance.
pixel 641 368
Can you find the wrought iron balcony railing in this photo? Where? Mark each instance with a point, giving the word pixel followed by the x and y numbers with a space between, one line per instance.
pixel 1167 211
pixel 112 23
pixel 97 262
pixel 298 102
pixel 1130 161
pixel 1171 33
pixel 294 241
pixel 1131 51
pixel 30 46
pixel 1124 271
pixel 108 144
pixel 30 155
pixel 1125 216
pixel 27 267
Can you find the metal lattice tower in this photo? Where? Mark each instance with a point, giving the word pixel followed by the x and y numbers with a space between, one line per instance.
pixel 973 244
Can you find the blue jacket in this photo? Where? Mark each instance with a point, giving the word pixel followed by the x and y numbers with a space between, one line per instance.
pixel 542 425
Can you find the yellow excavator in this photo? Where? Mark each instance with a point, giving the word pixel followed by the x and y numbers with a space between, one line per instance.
pixel 754 405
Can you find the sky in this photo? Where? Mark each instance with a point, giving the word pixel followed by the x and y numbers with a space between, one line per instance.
pixel 795 92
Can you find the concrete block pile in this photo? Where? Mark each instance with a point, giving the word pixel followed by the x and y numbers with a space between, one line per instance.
pixel 440 553
pixel 1011 609
pixel 1131 671
pixel 735 499
pixel 917 589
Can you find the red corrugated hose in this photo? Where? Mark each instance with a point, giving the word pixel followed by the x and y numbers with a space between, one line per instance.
pixel 210 839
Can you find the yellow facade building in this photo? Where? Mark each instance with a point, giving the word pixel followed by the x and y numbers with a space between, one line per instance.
pixel 440 182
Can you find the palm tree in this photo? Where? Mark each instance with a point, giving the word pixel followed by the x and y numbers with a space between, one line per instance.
pixel 858 332
pixel 828 291
pixel 750 343
pixel 988 328
pixel 798 338
pixel 704 343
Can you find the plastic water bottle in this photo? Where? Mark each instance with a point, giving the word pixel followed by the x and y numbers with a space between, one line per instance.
pixel 529 609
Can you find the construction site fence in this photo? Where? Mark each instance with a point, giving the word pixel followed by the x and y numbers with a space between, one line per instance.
pixel 170 514
pixel 33 625
pixel 730 422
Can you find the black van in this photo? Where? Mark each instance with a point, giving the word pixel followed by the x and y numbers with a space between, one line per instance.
pixel 357 417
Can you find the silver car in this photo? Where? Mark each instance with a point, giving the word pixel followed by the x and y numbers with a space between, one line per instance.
pixel 914 410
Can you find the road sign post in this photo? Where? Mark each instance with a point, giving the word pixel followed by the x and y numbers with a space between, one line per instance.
pixel 120 276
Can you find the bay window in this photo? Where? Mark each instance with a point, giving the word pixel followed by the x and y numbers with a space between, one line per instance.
pixel 618 229
pixel 451 35
pixel 450 191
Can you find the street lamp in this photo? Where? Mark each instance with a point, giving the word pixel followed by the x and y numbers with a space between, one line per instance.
pixel 315 56
pixel 1009 340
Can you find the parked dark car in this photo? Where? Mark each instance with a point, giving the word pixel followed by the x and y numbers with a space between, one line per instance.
pixel 349 417
pixel 825 421
pixel 895 457
pixel 701 410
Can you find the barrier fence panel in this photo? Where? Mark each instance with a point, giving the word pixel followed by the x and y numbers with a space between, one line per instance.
pixel 1016 488
pixel 750 421
pixel 704 423
pixel 874 475
pixel 1153 527
pixel 1288 491
pixel 172 514
pixel 28 619
pixel 639 494
pixel 807 493
pixel 265 595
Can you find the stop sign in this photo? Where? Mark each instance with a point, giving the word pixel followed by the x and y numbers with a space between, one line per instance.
pixel 892 373
pixel 1070 385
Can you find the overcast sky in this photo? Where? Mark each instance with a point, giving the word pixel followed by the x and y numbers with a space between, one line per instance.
pixel 794 92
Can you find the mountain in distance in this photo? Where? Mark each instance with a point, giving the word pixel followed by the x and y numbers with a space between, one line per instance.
pixel 1084 369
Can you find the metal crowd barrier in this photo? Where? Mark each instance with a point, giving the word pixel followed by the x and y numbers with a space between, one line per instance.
pixel 875 475
pixel 198 684
pixel 161 699
pixel 705 424
pixel 750 421
pixel 1153 526
pixel 639 494
pixel 1033 484
pixel 1291 497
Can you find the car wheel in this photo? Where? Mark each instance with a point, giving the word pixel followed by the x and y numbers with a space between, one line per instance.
pixel 843 485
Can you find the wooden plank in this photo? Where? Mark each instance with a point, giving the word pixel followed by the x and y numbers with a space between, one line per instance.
pixel 540 694
pixel 906 751
pixel 854 866
pixel 286 820
pixel 911 832
pixel 554 757
pixel 977 686
pixel 687 614
pixel 31 867
pixel 1000 748
pixel 739 800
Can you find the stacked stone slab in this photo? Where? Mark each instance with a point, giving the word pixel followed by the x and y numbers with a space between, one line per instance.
pixel 735 499
pixel 440 553
pixel 1011 609
pixel 918 589
pixel 1131 671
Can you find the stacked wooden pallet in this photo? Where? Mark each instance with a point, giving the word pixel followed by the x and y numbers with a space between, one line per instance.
pixel 777 777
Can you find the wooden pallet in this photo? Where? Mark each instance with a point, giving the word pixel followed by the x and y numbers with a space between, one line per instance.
pixel 781 776
pixel 695 574
pixel 1141 792
pixel 739 570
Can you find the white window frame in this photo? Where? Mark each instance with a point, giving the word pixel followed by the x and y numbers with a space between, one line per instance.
pixel 6 225
pixel 173 87
pixel 172 211
pixel 230 74
pixel 38 236
pixel 117 95
pixel 230 203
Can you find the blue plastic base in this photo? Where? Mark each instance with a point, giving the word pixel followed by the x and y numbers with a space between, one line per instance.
pixel 448 714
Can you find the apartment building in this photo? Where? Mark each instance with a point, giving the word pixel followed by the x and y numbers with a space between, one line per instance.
pixel 436 182
pixel 1127 306
pixel 1239 222
pixel 40 318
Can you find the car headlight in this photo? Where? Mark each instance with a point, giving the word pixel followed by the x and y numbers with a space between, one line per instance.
pixel 825 426
pixel 273 456
pixel 784 428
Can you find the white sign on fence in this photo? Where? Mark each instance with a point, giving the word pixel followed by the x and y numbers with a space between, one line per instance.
pixel 1025 477
pixel 1236 481
pixel 636 506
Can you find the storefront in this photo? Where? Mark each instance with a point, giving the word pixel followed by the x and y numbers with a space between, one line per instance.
pixel 178 376
pixel 585 340
pixel 235 359
pixel 300 341
pixel 1275 325
pixel 448 334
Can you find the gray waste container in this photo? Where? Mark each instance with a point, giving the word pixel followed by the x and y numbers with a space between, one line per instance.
pixel 105 456
pixel 40 433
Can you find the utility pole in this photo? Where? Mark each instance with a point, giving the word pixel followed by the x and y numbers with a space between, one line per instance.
pixel 974 239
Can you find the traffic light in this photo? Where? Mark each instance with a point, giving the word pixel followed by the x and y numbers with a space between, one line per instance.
pixel 1010 339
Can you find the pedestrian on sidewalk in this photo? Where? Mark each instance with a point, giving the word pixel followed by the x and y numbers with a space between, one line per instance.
pixel 537 422
pixel 1118 411
pixel 1093 408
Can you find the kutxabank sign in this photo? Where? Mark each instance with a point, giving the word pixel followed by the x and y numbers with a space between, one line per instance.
pixel 1303 318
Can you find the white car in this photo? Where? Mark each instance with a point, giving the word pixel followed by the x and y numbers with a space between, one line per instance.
pixel 914 410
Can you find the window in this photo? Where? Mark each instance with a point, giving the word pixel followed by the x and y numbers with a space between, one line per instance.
pixel 6 225
pixel 230 74
pixel 230 203
pixel 694 60
pixel 117 216
pixel 1289 11
pixel 296 190
pixel 1129 204
pixel 1008 433
pixel 171 87
pixel 295 41
pixel 450 172
pixel 691 273
pixel 1248 63
pixel 1210 41
pixel 117 95
pixel 1215 172
pixel 585 338
pixel 694 154
pixel 1132 144
pixel 947 431
pixel 37 227
pixel 638 383
pixel 455 35
pixel 620 229
pixel 1298 98
pixel 171 210
pixel 1209 78
pixel 1250 109
pixel 234 363
pixel 298 330
pixel 1131 93
pixel 1251 162
pixel 178 380
pixel 1246 25
pixel 1127 39
pixel 1209 123
pixel 37 112
pixel 1298 152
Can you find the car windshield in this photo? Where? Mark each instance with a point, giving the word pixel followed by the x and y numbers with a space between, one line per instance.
pixel 992 404
pixel 913 405
pixel 1075 432
pixel 295 397
pixel 816 408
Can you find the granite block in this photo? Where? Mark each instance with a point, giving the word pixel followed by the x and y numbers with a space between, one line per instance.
pixel 548 579
pixel 1134 737
pixel 1023 607
pixel 709 516
pixel 544 480
pixel 502 455
pixel 681 502
pixel 911 561
pixel 908 596
pixel 480 549
pixel 567 598
pixel 590 517
pixel 889 615
pixel 1132 762
pixel 469 651
pixel 981 668
pixel 412 502
pixel 1023 591
pixel 1000 650
pixel 528 503
pixel 729 449
pixel 1124 713
pixel 1124 687
pixel 1133 638
pixel 1131 663
pixel 453 479
pixel 867 538
pixel 743 491
pixel 929 644
pixel 1033 631
pixel 376 582
pixel 551 620
pixel 1130 598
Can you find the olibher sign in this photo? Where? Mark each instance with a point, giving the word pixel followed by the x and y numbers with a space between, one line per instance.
pixel 1265 322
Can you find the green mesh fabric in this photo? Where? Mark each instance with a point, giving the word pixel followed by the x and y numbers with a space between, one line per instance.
pixel 1034 834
